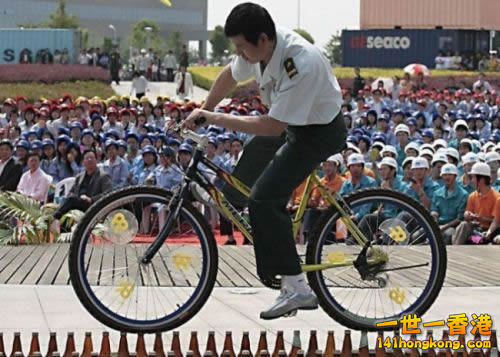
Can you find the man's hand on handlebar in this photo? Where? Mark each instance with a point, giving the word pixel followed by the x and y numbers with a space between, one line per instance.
pixel 197 118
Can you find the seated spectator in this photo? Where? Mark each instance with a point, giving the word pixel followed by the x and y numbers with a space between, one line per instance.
pixel 89 186
pixel 115 166
pixel 448 203
pixel 422 187
pixel 34 183
pixel 482 82
pixel 493 233
pixel 11 170
pixel 480 205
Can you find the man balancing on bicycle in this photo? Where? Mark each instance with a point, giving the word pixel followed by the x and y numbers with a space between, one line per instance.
pixel 304 127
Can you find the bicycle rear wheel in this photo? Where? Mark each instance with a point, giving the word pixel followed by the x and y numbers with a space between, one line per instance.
pixel 403 232
pixel 121 291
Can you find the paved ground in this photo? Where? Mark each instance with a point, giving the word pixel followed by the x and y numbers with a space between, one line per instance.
pixel 55 308
pixel 159 88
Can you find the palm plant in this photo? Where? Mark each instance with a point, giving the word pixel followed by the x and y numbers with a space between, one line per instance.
pixel 23 219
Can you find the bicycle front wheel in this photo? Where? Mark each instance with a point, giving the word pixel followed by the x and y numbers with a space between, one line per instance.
pixel 405 241
pixel 117 287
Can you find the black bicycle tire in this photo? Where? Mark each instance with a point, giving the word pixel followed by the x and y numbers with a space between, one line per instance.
pixel 313 277
pixel 73 261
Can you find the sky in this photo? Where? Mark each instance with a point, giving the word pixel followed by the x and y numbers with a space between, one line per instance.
pixel 321 18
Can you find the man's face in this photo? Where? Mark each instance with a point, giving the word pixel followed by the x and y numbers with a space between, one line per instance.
pixel 468 167
pixel 235 148
pixel 329 168
pixel 132 144
pixel 184 158
pixel 419 174
pixel 165 160
pixel 112 151
pixel 34 163
pixel 90 162
pixel 448 179
pixel 402 138
pixel 5 152
pixel 149 158
pixel 494 167
pixel 250 52
pixel 386 172
pixel 356 170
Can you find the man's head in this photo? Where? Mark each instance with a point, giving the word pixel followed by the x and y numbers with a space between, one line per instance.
pixel 252 31
pixel 89 161
pixel 356 165
pixel 419 168
pixel 480 175
pixel 449 174
pixel 33 161
pixel 388 168
pixel 6 149
pixel 330 166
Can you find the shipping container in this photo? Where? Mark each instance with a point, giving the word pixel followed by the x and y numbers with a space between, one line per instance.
pixel 430 14
pixel 16 42
pixel 398 48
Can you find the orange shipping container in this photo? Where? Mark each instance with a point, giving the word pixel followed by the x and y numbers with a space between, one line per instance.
pixel 429 14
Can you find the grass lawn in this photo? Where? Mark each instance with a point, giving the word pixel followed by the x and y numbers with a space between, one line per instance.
pixel 36 90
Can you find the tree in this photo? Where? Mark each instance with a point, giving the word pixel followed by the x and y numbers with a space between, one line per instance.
pixel 306 35
pixel 220 43
pixel 174 43
pixel 57 20
pixel 61 20
pixel 333 49
pixel 142 38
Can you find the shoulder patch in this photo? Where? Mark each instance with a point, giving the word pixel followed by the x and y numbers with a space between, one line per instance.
pixel 290 68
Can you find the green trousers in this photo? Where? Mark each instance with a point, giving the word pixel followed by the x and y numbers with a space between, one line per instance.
pixel 273 168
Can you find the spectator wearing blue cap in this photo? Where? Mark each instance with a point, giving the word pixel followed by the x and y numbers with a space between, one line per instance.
pixel 414 133
pixel 371 125
pixel 31 135
pixel 167 175
pixel 174 144
pixel 97 123
pixel 36 147
pixel 48 154
pixel 75 131
pixel 146 174
pixel 427 136
pixel 384 128
pixel 11 169
pixel 146 140
pixel 112 122
pixel 122 148
pixel 483 128
pixel 364 146
pixel 185 154
pixel 211 153
pixel 133 156
pixel 236 148
pixel 87 141
pixel 22 149
pixel 115 166
pixel 448 203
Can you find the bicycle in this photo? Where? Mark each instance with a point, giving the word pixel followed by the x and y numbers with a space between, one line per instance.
pixel 392 263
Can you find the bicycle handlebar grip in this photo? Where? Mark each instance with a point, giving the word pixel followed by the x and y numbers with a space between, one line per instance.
pixel 200 121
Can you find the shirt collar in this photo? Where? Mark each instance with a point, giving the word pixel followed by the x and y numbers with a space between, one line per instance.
pixel 272 70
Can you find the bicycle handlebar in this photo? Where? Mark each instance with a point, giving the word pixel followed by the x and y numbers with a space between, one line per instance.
pixel 200 140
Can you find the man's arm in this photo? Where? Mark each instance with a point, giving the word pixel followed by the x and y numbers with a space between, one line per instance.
pixel 262 125
pixel 222 86
pixel 105 186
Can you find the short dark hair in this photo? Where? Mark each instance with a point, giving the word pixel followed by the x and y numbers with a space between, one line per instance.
pixel 486 179
pixel 31 154
pixel 250 20
pixel 86 151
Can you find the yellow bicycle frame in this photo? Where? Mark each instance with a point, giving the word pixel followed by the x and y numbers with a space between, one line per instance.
pixel 228 210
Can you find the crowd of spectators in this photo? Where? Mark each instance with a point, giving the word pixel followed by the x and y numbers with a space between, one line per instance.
pixel 467 61
pixel 440 147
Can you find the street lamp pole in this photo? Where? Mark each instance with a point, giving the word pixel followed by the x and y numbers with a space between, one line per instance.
pixel 298 14
pixel 148 29
pixel 114 33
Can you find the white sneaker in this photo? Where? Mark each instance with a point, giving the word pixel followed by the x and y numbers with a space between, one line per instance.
pixel 55 226
pixel 288 302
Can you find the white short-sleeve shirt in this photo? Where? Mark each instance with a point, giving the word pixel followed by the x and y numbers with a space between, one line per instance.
pixel 297 84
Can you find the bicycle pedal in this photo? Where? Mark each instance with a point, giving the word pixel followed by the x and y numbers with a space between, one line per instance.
pixel 292 313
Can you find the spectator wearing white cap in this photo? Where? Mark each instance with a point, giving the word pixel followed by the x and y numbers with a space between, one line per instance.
pixel 333 182
pixel 448 203
pixel 358 180
pixel 412 150
pixel 407 170
pixel 353 149
pixel 461 129
pixel 402 133
pixel 421 187
pixel 480 205
pixel 465 147
pixel 438 161
pixel 493 161
pixel 468 160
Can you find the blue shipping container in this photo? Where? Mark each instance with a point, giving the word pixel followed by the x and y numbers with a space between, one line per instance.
pixel 398 48
pixel 13 42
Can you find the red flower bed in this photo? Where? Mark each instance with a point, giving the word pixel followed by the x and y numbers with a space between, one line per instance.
pixel 51 73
